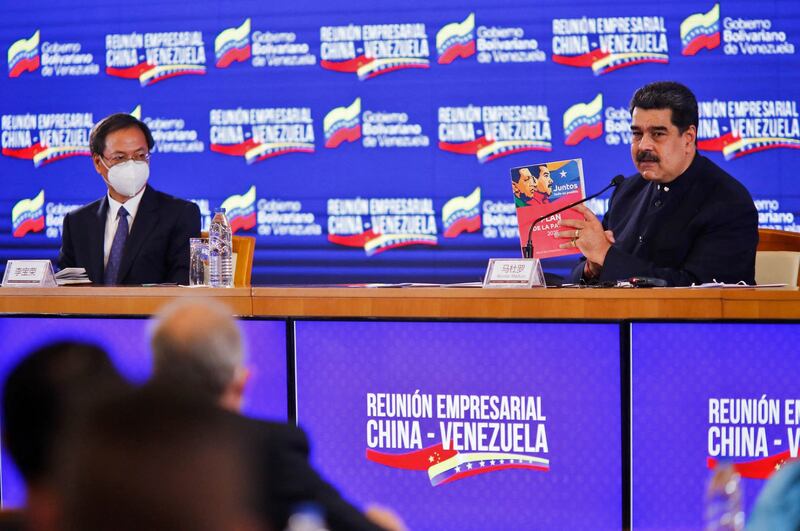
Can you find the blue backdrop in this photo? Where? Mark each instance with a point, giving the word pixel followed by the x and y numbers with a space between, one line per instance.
pixel 372 141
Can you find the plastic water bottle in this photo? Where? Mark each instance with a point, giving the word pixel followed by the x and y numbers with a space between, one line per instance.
pixel 220 251
pixel 723 503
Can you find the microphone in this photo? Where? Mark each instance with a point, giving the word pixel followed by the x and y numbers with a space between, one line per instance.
pixel 527 252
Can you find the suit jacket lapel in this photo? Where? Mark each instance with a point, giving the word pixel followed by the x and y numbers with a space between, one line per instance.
pixel 97 235
pixel 146 220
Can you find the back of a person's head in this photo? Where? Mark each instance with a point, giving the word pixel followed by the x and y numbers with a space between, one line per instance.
pixel 47 389
pixel 197 345
pixel 154 459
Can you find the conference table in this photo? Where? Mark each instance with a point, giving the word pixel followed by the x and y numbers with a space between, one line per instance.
pixel 471 408
pixel 422 302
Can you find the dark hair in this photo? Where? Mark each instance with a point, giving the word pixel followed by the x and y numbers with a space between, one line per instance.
pixel 43 392
pixel 115 122
pixel 668 95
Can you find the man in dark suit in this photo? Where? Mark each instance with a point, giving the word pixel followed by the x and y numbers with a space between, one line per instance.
pixel 134 234
pixel 681 218
pixel 197 350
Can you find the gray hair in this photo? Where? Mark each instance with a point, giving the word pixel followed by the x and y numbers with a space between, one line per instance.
pixel 196 343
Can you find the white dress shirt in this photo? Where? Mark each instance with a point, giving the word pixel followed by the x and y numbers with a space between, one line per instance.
pixel 132 206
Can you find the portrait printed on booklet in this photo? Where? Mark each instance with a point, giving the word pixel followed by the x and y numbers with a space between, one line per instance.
pixel 540 189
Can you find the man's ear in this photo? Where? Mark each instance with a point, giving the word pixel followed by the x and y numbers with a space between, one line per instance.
pixel 241 379
pixel 691 135
pixel 98 164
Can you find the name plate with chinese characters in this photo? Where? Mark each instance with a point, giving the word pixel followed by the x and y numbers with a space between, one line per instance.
pixel 514 273
pixel 29 274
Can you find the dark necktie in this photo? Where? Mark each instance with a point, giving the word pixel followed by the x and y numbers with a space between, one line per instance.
pixel 117 246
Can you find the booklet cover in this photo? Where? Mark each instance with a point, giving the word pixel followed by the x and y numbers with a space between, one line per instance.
pixel 543 188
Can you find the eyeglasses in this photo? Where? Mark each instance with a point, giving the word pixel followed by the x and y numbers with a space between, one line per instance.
pixel 119 158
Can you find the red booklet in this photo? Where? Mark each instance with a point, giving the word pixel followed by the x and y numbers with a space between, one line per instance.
pixel 543 188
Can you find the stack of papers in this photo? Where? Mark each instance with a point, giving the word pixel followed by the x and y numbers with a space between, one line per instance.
pixel 739 285
pixel 72 275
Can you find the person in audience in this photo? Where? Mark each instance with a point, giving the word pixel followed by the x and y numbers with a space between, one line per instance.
pixel 681 218
pixel 42 395
pixel 197 347
pixel 777 507
pixel 157 460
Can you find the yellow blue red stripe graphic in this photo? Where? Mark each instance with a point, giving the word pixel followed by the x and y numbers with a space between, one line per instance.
pixel 43 155
pixel 699 31
pixel 488 150
pixel 370 67
pixel 233 45
pixel 462 214
pixel 23 56
pixel 28 216
pixel 446 465
pixel 241 210
pixel 583 120
pixel 456 40
pixel 602 62
pixel 343 124
pixel 374 243
pixel 733 147
pixel 253 151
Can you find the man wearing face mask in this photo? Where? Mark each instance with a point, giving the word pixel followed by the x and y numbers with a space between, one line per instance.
pixel 134 234
pixel 681 219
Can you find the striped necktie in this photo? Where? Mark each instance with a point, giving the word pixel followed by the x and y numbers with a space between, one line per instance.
pixel 117 246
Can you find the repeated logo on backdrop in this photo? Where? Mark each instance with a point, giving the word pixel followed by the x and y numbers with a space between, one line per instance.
pixel 261 134
pixel 372 50
pixel 606 44
pixel 478 434
pixel 492 131
pixel 739 128
pixel 494 44
pixel 171 135
pixel 31 216
pixel 381 224
pixel 153 57
pixel 263 48
pixel 46 138
pixel 376 129
pixel 55 58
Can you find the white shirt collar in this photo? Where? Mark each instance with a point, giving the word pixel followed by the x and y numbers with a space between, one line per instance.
pixel 131 205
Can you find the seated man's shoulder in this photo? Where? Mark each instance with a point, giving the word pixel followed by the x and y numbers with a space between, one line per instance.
pixel 172 201
pixel 725 187
pixel 87 210
pixel 279 433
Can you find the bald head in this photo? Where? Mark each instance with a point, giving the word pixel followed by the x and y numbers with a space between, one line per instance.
pixel 197 344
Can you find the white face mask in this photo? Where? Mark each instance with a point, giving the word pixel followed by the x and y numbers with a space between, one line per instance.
pixel 128 178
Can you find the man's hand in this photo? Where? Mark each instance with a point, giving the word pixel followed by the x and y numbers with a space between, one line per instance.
pixel 384 517
pixel 588 236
